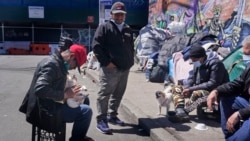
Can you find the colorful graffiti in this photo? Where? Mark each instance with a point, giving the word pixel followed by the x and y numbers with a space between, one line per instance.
pixel 227 19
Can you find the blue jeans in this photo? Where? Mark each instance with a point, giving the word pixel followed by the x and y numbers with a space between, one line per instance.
pixel 229 105
pixel 81 116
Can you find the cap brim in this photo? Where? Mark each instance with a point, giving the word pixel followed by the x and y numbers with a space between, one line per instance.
pixel 78 67
pixel 118 11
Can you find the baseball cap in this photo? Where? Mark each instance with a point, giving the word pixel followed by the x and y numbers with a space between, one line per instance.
pixel 118 7
pixel 80 54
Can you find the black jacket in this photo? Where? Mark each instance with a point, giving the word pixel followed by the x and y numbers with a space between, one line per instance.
pixel 209 75
pixel 111 45
pixel 46 87
pixel 239 87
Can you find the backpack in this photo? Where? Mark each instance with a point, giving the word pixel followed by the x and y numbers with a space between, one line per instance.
pixel 158 74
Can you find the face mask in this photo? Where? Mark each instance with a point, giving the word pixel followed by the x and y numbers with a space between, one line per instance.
pixel 246 57
pixel 66 65
pixel 197 64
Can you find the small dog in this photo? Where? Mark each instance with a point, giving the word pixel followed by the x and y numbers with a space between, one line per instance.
pixel 79 98
pixel 164 98
pixel 92 61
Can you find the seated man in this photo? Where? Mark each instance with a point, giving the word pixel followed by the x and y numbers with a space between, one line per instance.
pixel 208 73
pixel 234 102
pixel 41 104
pixel 234 106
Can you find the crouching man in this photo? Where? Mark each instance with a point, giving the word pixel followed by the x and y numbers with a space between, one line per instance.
pixel 208 73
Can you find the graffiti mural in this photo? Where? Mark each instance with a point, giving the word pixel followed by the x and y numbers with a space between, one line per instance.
pixel 227 19
pixel 86 36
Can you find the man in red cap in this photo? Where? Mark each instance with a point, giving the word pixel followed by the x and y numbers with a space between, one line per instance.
pixel 114 48
pixel 47 87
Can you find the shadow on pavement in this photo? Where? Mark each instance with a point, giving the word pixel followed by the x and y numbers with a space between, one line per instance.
pixel 129 128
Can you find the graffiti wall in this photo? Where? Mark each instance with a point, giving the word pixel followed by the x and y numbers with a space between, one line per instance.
pixel 227 19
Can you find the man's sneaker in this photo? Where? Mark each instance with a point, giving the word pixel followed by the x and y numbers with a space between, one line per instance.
pixel 115 121
pixel 103 127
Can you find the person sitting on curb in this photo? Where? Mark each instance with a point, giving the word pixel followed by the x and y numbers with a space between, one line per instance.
pixel 234 101
pixel 234 107
pixel 41 104
pixel 208 73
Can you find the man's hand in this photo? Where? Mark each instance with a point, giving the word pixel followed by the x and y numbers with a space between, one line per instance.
pixel 186 93
pixel 72 91
pixel 232 121
pixel 212 99
pixel 111 66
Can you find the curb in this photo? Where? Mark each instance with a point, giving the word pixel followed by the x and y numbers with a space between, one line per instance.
pixel 138 117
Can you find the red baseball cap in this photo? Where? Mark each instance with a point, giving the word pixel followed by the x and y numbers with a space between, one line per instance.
pixel 80 54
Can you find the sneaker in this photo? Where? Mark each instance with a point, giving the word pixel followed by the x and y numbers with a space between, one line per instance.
pixel 115 121
pixel 103 127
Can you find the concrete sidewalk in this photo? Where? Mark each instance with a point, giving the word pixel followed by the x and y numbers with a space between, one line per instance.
pixel 140 105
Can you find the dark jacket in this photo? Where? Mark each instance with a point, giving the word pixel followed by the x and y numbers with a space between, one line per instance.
pixel 239 87
pixel 111 45
pixel 46 87
pixel 209 75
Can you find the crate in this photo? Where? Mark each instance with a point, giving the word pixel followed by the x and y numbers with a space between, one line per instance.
pixel 204 114
pixel 16 51
pixel 43 135
pixel 40 49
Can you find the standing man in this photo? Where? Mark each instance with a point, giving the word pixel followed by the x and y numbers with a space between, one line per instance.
pixel 41 104
pixel 114 48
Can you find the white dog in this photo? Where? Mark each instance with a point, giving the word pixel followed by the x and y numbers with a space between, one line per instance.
pixel 78 99
pixel 164 98
pixel 92 61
